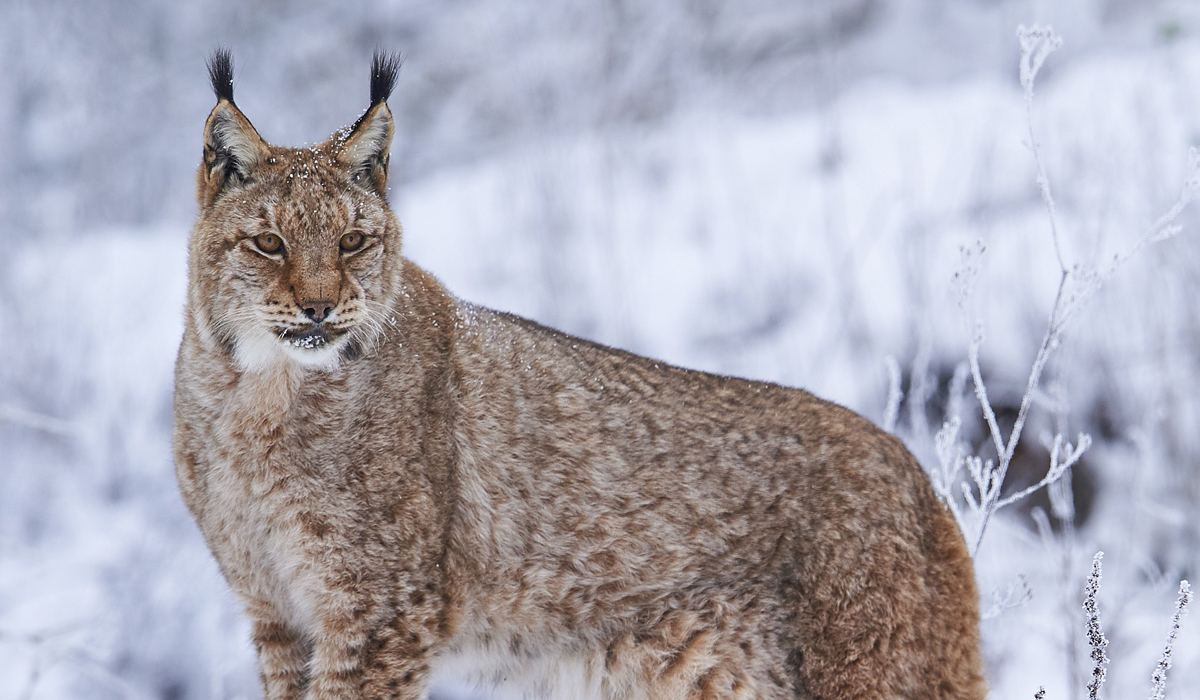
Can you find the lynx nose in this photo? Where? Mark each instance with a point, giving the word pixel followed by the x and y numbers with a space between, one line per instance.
pixel 317 310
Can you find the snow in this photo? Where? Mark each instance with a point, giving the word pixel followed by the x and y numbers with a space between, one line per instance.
pixel 801 239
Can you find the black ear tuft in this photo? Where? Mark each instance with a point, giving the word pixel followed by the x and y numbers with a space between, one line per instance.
pixel 384 69
pixel 220 72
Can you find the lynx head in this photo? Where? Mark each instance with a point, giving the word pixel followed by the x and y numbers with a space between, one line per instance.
pixel 296 254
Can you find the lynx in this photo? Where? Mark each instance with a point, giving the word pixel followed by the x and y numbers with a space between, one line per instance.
pixel 399 485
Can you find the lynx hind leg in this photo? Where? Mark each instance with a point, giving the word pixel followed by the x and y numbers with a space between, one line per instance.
pixel 715 653
pixel 890 612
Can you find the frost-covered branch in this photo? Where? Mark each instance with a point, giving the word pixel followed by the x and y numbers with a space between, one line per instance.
pixel 1159 679
pixel 1099 643
pixel 1037 43
pixel 971 479
pixel 1095 634
pixel 1058 466
pixel 37 421
pixel 895 394
pixel 951 458
pixel 1015 595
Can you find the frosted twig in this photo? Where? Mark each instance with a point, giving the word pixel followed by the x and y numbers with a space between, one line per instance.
pixel 1042 522
pixel 1075 284
pixel 1095 635
pixel 981 390
pixel 37 421
pixel 1062 499
pixel 919 386
pixel 971 260
pixel 1004 451
pixel 958 384
pixel 1159 679
pixel 950 456
pixel 982 484
pixel 1065 303
pixel 1037 43
pixel 895 394
pixel 1057 466
pixel 1015 595
pixel 1165 227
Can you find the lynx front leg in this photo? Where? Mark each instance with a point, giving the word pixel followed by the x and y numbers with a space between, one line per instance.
pixel 337 662
pixel 282 659
pixel 371 651
pixel 398 662
pixel 389 663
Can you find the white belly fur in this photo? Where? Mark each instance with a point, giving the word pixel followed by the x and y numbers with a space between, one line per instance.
pixel 489 672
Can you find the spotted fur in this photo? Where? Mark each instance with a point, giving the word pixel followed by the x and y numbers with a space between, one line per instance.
pixel 416 487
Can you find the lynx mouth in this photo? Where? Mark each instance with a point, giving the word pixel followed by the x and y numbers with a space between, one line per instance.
pixel 312 338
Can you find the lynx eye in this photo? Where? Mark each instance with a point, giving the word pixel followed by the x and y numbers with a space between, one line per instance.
pixel 351 241
pixel 268 243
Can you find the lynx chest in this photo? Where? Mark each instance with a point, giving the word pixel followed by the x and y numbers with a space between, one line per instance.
pixel 265 501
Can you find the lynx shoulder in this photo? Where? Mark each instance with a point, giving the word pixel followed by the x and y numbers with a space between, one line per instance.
pixel 400 486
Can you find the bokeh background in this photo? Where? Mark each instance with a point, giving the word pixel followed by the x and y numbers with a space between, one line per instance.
pixel 770 188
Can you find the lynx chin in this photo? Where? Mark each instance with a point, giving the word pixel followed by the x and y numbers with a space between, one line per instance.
pixel 401 486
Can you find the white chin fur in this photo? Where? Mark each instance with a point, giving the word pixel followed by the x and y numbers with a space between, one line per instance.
pixel 255 352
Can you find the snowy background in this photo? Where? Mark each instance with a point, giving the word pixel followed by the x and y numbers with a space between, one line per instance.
pixel 770 188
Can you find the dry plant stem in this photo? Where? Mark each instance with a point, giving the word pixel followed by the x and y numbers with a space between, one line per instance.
pixel 1015 595
pixel 1159 679
pixel 951 458
pixel 1005 452
pixel 1057 467
pixel 1043 181
pixel 1064 304
pixel 1036 44
pixel 918 388
pixel 1095 634
pixel 895 394
pixel 37 421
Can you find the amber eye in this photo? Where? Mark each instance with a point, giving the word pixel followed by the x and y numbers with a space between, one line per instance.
pixel 351 241
pixel 268 243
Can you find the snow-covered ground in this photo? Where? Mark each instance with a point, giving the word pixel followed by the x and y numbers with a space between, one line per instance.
pixel 805 244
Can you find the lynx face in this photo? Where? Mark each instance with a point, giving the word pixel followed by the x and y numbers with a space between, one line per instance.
pixel 299 248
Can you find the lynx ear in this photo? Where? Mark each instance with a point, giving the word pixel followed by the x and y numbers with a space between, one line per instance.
pixel 232 147
pixel 364 149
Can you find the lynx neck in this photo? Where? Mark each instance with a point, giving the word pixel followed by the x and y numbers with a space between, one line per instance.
pixel 267 394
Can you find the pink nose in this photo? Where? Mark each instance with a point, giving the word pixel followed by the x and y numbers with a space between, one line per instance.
pixel 317 310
